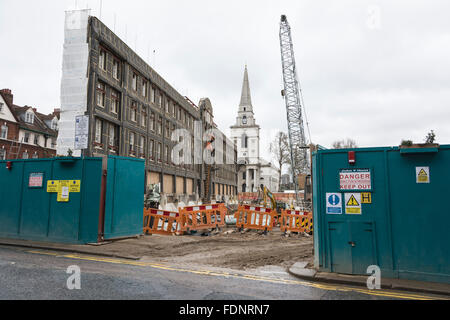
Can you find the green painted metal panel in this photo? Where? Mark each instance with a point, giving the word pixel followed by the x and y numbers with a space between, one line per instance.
pixel 405 230
pixel 31 213
pixel 124 208
pixel 10 195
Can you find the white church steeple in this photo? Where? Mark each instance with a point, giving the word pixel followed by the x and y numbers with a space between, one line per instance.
pixel 245 113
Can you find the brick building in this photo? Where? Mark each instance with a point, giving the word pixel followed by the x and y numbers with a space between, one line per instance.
pixel 24 132
pixel 132 110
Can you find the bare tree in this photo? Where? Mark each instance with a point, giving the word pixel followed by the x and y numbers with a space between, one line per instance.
pixel 279 148
pixel 344 144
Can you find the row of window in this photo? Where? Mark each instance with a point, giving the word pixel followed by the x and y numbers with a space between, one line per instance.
pixel 156 121
pixel 141 86
pixel 25 155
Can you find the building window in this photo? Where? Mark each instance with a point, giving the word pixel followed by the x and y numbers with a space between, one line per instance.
pixel 29 117
pixel 115 101
pixel 166 154
pixel 4 132
pixel 141 146
pixel 98 131
pixel 167 134
pixel 158 152
pixel 115 69
pixel 134 81
pixel 1 107
pixel 101 94
pixel 35 155
pixel 144 88
pixel 133 111
pixel 132 140
pixel 102 60
pixel 150 148
pixel 36 139
pixel 25 155
pixel 152 122
pixel 2 154
pixel 159 125
pixel 144 117
pixel 112 135
pixel 244 142
pixel 26 137
pixel 152 95
pixel 166 104
pixel 159 99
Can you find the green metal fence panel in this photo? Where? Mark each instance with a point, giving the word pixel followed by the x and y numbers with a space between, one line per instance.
pixel 124 209
pixel 393 221
pixel 28 211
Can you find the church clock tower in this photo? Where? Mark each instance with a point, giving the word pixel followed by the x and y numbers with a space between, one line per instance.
pixel 245 134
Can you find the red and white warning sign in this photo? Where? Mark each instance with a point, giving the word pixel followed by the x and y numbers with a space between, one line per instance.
pixel 355 179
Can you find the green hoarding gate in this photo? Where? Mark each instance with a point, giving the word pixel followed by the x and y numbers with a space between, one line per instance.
pixel 390 208
pixel 108 203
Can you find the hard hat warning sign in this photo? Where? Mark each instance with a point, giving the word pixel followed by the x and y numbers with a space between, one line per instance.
pixel 355 179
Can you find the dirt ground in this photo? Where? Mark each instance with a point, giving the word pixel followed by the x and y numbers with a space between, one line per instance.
pixel 241 251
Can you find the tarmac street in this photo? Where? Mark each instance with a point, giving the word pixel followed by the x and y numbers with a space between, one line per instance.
pixel 30 274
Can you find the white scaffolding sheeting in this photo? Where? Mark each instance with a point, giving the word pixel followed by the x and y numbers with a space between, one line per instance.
pixel 74 82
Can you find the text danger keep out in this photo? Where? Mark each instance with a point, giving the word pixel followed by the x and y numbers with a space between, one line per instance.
pixel 353 181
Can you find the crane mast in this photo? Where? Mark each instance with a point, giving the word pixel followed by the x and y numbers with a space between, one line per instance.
pixel 293 99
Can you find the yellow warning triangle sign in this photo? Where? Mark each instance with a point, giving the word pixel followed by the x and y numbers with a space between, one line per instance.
pixel 352 202
pixel 422 173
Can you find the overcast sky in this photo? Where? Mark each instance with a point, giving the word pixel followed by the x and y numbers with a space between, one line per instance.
pixel 374 71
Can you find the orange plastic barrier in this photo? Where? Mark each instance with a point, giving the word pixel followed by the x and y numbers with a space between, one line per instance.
pixel 296 221
pixel 208 216
pixel 255 218
pixel 161 222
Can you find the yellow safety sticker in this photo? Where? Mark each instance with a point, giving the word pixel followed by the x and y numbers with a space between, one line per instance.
pixel 52 186
pixel 366 198
pixel 75 186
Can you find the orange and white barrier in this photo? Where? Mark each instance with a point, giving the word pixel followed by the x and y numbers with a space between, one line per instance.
pixel 296 221
pixel 161 222
pixel 202 217
pixel 255 218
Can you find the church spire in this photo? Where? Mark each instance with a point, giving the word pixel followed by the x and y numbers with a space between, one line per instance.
pixel 246 99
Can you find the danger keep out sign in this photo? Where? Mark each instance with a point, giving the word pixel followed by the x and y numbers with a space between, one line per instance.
pixel 355 179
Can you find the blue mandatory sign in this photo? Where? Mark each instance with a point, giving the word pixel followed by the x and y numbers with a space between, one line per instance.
pixel 334 200
pixel 334 203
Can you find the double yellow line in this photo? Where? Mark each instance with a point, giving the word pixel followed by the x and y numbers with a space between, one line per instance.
pixel 381 293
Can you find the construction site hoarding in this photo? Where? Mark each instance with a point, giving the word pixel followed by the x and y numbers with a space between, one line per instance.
pixel 71 200
pixel 378 211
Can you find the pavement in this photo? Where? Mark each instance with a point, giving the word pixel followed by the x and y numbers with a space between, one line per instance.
pixel 95 248
pixel 301 271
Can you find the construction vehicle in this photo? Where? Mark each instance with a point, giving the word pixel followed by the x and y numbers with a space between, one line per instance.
pixel 292 95
pixel 152 197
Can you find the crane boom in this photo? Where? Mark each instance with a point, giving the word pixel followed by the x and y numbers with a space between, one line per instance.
pixel 292 95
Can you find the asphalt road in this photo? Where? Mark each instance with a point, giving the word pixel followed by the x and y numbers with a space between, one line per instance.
pixel 36 274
